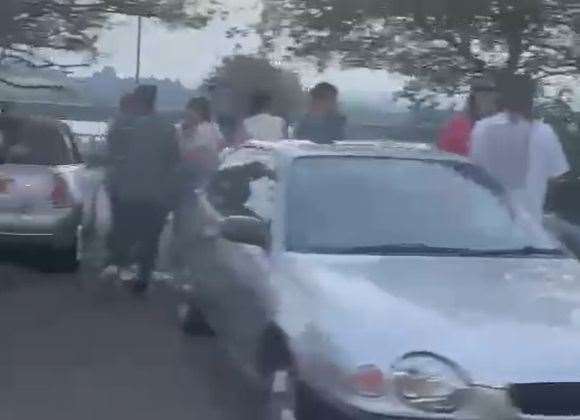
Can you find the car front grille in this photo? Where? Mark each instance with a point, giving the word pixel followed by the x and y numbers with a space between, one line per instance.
pixel 547 399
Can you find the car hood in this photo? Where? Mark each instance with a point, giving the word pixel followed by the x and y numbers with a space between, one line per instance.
pixel 502 320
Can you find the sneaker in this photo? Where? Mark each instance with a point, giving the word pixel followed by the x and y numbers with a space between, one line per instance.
pixel 127 275
pixel 109 272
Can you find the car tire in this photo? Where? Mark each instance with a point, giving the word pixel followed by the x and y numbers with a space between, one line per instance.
pixel 192 320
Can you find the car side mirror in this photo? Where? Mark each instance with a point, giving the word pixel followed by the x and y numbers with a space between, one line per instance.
pixel 245 230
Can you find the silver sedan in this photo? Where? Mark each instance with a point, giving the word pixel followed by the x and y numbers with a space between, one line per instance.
pixel 47 194
pixel 384 281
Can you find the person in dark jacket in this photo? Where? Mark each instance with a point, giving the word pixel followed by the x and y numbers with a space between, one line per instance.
pixel 119 131
pixel 143 182
pixel 323 124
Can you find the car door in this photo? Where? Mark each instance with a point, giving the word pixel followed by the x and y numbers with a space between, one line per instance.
pixel 238 290
pixel 84 182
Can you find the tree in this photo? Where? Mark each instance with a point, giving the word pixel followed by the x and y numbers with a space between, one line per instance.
pixel 30 30
pixel 246 75
pixel 440 44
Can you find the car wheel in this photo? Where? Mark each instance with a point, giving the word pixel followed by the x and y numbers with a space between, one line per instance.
pixel 192 320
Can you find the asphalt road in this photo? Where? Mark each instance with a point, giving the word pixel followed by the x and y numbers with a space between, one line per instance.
pixel 74 350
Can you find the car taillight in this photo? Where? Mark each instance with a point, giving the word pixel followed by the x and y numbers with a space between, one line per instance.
pixel 5 185
pixel 368 381
pixel 61 196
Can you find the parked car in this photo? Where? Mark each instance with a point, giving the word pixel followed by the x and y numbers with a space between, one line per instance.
pixel 47 197
pixel 375 281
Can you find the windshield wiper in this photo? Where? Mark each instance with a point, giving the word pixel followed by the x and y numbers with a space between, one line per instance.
pixel 527 251
pixel 395 249
pixel 422 249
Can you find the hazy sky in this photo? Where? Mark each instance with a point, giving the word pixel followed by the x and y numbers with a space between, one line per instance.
pixel 190 55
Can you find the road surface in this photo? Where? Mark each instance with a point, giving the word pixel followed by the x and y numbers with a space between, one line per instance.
pixel 74 351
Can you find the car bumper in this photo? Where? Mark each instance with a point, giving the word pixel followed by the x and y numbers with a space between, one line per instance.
pixel 56 228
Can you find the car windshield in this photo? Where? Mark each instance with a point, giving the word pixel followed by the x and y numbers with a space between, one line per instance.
pixel 370 205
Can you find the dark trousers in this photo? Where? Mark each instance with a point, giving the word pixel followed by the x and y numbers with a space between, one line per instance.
pixel 136 230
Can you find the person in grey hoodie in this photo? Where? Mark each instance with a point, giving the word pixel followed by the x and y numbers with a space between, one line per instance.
pixel 143 180
pixel 323 123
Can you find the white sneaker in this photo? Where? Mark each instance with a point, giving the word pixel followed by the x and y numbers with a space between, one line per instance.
pixel 110 272
pixel 127 274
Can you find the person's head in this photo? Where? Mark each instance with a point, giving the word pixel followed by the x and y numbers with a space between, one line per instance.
pixel 197 111
pixel 324 98
pixel 145 98
pixel 261 103
pixel 483 99
pixel 517 94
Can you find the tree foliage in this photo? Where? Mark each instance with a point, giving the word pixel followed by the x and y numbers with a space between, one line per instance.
pixel 440 44
pixel 247 75
pixel 32 30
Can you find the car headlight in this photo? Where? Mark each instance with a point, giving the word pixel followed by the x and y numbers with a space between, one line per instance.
pixel 429 382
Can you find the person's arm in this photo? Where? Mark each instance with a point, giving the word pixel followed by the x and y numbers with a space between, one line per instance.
pixel 111 141
pixel 341 128
pixel 173 150
pixel 556 159
pixel 300 131
pixel 476 150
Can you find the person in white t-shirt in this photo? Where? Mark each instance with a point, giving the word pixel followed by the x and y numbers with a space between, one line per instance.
pixel 521 153
pixel 262 125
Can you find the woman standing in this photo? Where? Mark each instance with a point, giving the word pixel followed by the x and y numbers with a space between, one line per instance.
pixel 482 102
pixel 200 138
pixel 201 142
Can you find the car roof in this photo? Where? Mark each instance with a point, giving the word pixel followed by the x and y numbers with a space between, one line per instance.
pixel 294 149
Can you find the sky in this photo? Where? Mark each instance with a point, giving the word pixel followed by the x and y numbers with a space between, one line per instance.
pixel 190 55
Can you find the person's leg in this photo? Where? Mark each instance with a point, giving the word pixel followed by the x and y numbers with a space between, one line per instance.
pixel 120 239
pixel 153 218
pixel 113 233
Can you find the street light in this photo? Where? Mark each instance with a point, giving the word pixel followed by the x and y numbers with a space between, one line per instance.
pixel 139 37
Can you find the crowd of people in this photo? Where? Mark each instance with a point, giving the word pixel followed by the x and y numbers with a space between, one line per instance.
pixel 155 167
pixel 498 132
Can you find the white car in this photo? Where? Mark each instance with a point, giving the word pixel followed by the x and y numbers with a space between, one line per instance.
pixel 47 195
pixel 382 280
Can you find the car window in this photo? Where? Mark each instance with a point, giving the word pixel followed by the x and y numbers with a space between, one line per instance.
pixel 244 185
pixel 71 144
pixel 377 202
pixel 39 143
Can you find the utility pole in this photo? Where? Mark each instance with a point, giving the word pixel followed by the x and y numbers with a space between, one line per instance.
pixel 139 37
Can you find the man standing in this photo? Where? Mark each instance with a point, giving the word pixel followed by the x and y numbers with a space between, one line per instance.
pixel 521 153
pixel 262 124
pixel 119 131
pixel 323 124
pixel 144 185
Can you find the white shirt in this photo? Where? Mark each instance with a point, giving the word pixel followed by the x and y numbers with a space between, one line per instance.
pixel 206 135
pixel 265 127
pixel 523 155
